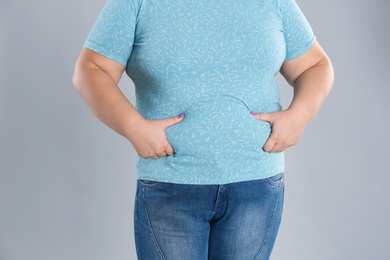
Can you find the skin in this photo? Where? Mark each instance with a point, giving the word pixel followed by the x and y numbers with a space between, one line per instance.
pixel 96 78
pixel 311 75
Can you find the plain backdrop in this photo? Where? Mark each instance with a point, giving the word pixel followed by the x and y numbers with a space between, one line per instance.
pixel 67 182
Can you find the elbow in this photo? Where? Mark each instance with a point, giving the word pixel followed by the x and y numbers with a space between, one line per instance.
pixel 322 71
pixel 77 77
pixel 329 72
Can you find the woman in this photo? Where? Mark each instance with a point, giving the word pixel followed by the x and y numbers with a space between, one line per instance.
pixel 208 127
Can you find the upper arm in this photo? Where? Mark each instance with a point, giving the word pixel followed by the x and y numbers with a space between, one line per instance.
pixel 89 59
pixel 292 69
pixel 110 42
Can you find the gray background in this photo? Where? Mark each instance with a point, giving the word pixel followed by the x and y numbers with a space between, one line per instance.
pixel 67 181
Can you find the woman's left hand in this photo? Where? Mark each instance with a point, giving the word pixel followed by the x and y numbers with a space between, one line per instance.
pixel 286 129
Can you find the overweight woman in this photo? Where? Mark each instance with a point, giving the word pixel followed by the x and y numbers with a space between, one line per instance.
pixel 207 125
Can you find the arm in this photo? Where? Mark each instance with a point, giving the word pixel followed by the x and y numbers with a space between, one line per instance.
pixel 311 76
pixel 96 78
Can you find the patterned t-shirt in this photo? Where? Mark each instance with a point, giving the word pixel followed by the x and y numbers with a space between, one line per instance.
pixel 213 60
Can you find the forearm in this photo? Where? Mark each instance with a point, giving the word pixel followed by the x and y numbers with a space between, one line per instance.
pixel 311 89
pixel 105 100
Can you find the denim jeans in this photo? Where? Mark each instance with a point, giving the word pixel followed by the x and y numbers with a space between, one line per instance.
pixel 236 221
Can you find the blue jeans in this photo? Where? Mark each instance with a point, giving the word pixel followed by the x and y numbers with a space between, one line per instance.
pixel 236 221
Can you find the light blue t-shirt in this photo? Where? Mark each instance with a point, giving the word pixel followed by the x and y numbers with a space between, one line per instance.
pixel 215 61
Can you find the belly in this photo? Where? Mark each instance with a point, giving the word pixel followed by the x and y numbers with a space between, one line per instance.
pixel 218 129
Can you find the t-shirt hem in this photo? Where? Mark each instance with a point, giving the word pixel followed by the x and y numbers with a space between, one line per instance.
pixel 302 51
pixel 99 49
pixel 222 181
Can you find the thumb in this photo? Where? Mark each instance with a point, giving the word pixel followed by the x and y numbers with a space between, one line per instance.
pixel 263 116
pixel 173 120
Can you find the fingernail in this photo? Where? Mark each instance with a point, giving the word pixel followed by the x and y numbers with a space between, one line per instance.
pixel 181 115
pixel 253 113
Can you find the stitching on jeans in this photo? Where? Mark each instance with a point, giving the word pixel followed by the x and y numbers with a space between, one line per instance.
pixel 269 226
pixel 151 228
pixel 277 182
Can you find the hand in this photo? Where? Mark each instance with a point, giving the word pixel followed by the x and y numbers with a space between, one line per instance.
pixel 149 139
pixel 286 129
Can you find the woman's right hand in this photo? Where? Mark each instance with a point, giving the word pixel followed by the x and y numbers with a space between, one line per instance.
pixel 149 139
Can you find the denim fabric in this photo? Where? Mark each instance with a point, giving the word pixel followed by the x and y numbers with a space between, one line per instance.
pixel 235 221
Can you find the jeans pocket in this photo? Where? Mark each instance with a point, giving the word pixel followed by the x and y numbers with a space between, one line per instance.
pixel 148 183
pixel 275 180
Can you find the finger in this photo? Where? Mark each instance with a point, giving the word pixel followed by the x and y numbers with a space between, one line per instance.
pixel 169 151
pixel 173 120
pixel 269 145
pixel 263 116
pixel 161 154
pixel 282 148
pixel 277 148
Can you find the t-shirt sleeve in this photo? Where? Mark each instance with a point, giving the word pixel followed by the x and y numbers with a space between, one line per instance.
pixel 298 34
pixel 113 32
